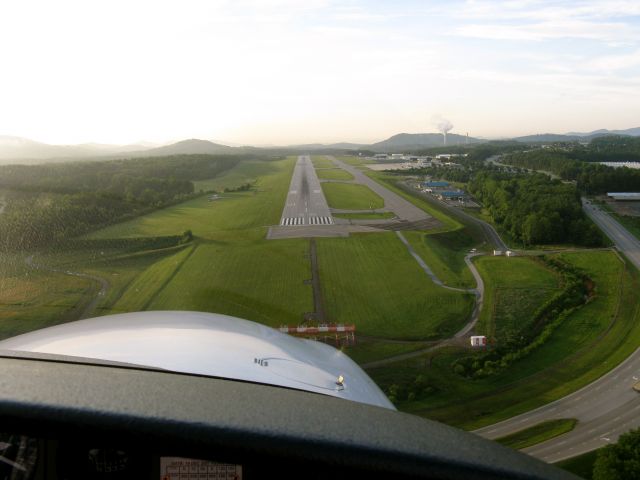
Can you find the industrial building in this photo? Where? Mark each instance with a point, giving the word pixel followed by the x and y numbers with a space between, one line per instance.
pixel 433 184
pixel 450 195
pixel 624 196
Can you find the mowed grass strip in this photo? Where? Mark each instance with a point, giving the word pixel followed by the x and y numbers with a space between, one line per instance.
pixel 347 196
pixel 372 281
pixel 237 216
pixel 263 281
pixel 142 290
pixel 365 215
pixel 538 433
pixel 333 174
pixel 320 161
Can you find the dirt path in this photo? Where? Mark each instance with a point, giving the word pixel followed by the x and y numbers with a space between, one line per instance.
pixel 87 311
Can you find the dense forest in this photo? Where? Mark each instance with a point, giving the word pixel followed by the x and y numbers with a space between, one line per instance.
pixel 591 178
pixel 46 204
pixel 534 209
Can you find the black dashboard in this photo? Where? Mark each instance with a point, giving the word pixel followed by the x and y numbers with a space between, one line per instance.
pixel 64 420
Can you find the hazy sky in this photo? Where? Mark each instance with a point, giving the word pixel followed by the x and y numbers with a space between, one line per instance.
pixel 291 71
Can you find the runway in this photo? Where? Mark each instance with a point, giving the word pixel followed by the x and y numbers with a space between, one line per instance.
pixel 305 203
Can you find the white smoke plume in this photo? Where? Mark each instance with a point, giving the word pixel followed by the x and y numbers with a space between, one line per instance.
pixel 443 125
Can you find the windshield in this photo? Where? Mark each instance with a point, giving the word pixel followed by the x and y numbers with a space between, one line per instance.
pixel 445 192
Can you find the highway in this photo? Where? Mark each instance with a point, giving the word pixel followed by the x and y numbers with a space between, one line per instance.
pixel 605 408
pixel 305 203
pixel 626 242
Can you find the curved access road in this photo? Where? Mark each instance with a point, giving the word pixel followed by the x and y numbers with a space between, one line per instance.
pixel 475 315
pixel 88 309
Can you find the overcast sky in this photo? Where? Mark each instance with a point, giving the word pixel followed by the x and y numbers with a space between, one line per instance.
pixel 293 71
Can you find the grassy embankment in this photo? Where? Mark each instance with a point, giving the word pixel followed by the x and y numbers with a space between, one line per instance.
pixel 538 433
pixel 586 345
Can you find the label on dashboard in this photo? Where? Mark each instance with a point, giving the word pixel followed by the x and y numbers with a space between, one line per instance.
pixel 179 468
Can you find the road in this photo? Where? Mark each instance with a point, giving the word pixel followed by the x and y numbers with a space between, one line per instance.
pixel 604 409
pixel 305 203
pixel 625 241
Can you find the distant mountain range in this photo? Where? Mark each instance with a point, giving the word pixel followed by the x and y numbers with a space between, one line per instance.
pixel 416 141
pixel 22 150
pixel 634 132
pixel 577 136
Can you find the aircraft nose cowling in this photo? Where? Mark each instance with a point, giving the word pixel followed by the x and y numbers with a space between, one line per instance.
pixel 207 344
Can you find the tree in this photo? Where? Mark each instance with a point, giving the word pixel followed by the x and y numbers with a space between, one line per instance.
pixel 620 460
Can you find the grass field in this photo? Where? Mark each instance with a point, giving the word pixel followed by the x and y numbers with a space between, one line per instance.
pixel 354 161
pixel 444 253
pixel 582 465
pixel 514 288
pixel 32 299
pixel 262 281
pixel 247 171
pixel 333 174
pixel 240 215
pixel 365 215
pixel 538 433
pixel 348 196
pixel 320 161
pixel 589 343
pixel 372 281
pixel 369 350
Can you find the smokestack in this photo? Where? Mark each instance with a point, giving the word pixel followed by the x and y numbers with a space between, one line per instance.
pixel 467 138
pixel 443 125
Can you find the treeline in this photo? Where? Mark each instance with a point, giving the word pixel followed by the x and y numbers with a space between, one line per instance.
pixel 47 204
pixel 591 178
pixel 545 319
pixel 535 210
pixel 121 177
